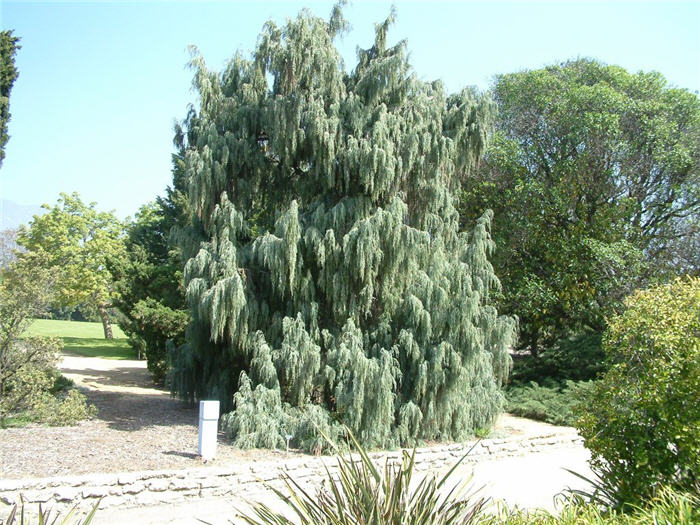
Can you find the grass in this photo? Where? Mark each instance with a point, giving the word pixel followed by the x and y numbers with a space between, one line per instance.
pixel 86 339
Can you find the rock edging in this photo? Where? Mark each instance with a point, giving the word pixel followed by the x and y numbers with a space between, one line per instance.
pixel 246 480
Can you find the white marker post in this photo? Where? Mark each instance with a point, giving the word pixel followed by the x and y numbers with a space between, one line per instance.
pixel 208 428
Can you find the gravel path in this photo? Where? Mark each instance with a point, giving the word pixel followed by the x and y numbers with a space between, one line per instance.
pixel 138 427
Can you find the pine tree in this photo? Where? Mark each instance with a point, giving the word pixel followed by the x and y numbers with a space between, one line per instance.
pixel 327 279
pixel 9 44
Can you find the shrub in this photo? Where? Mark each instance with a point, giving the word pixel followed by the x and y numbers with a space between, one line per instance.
pixel 31 387
pixel 552 402
pixel 363 494
pixel 26 373
pixel 65 409
pixel 642 419
pixel 156 325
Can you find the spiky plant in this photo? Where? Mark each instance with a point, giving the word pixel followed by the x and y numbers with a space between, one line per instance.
pixel 359 493
pixel 17 516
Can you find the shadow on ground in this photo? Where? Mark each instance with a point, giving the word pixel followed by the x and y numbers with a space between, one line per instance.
pixel 128 411
pixel 117 376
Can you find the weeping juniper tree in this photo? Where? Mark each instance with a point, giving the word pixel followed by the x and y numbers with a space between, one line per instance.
pixel 327 280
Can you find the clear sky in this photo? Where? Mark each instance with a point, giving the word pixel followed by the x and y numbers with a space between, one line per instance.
pixel 101 83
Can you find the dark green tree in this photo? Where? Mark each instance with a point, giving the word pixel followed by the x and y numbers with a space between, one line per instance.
pixel 148 280
pixel 594 180
pixel 328 281
pixel 8 75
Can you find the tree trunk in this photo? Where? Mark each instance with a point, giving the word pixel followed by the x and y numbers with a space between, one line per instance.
pixel 105 321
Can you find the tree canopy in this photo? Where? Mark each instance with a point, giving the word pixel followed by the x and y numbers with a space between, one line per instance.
pixel 327 280
pixel 8 74
pixel 593 176
pixel 75 241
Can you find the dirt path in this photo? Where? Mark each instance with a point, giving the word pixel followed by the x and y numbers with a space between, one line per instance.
pixel 138 427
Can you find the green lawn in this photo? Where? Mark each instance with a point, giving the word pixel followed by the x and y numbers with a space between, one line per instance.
pixel 86 339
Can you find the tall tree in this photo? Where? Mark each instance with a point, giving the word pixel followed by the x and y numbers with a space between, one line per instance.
pixel 75 241
pixel 8 75
pixel 329 282
pixel 148 280
pixel 594 179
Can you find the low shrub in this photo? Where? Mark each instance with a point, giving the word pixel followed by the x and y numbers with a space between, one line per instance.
pixel 68 408
pixel 28 372
pixel 31 386
pixel 552 402
pixel 61 384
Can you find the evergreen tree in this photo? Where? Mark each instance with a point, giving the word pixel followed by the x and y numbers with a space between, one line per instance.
pixel 327 278
pixel 148 279
pixel 8 74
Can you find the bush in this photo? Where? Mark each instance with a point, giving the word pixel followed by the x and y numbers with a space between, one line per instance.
pixel 66 409
pixel 31 387
pixel 552 402
pixel 27 373
pixel 156 325
pixel 642 419
pixel 363 494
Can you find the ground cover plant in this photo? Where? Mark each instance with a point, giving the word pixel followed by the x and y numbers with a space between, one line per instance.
pixel 549 387
pixel 327 278
pixel 84 338
pixel 555 402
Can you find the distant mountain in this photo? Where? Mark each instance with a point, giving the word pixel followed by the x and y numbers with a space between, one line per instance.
pixel 13 214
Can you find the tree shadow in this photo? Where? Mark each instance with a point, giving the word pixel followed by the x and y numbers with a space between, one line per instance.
pixel 120 376
pixel 188 455
pixel 127 411
pixel 97 347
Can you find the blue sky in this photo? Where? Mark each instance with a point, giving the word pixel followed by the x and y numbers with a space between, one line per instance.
pixel 101 83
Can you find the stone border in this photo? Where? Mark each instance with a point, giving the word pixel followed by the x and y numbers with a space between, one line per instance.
pixel 247 480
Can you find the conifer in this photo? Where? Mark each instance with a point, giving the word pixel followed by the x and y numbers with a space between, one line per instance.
pixel 327 277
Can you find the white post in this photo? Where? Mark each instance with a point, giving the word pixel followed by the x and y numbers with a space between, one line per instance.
pixel 208 428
